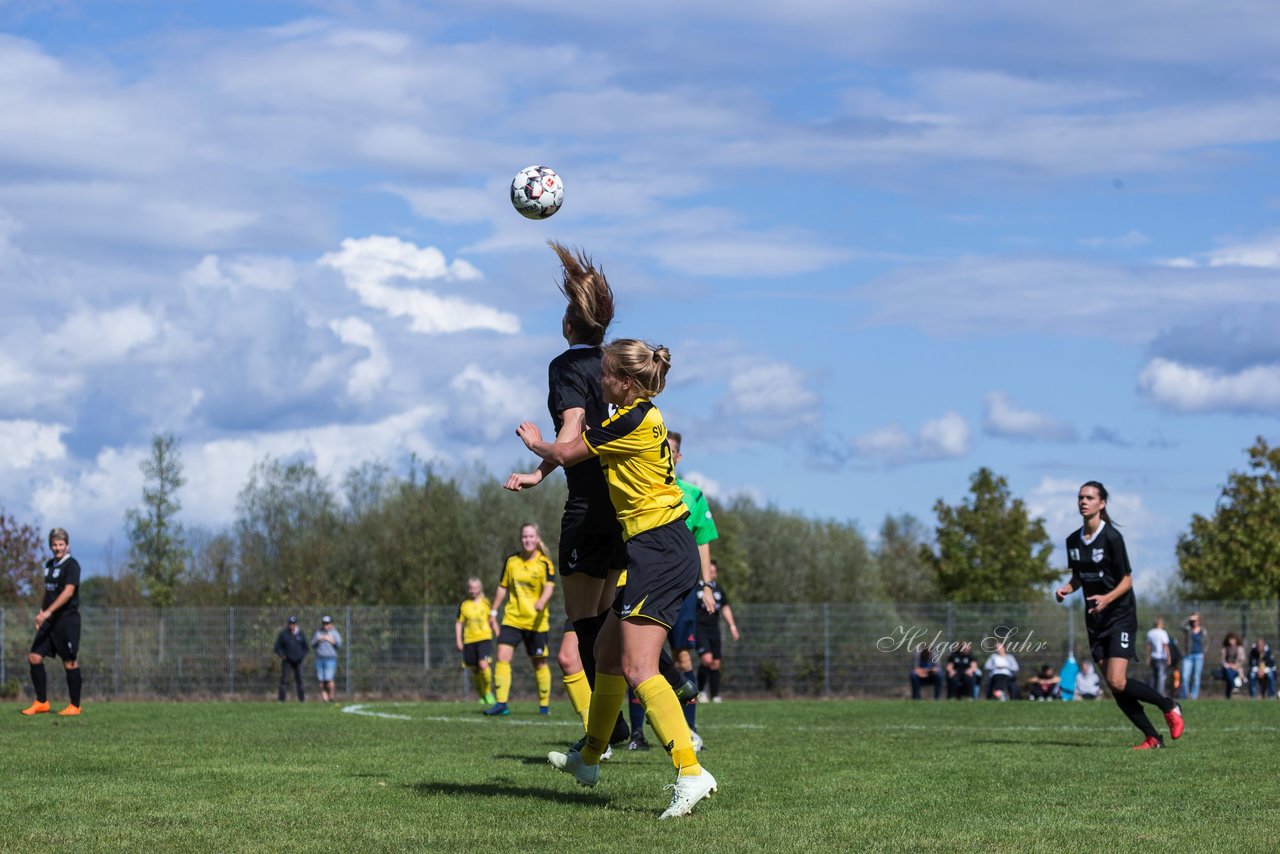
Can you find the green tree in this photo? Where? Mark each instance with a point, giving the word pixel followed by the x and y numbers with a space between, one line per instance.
pixel 905 573
pixel 1235 553
pixel 158 550
pixel 20 567
pixel 989 549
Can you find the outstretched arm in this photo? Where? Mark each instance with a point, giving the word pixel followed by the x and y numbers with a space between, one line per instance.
pixel 560 453
pixel 574 424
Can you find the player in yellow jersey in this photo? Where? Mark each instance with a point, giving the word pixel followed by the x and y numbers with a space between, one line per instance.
pixel 474 638
pixel 529 579
pixel 662 565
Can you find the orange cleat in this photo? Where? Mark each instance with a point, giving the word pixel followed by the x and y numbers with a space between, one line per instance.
pixel 36 708
pixel 69 711
pixel 1174 720
pixel 1151 743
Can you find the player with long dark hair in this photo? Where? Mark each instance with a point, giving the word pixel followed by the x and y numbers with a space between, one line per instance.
pixel 662 565
pixel 1099 563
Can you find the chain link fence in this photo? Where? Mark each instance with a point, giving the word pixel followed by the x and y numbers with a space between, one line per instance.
pixel 811 650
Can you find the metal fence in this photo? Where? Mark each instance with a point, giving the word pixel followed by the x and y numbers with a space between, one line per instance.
pixel 823 649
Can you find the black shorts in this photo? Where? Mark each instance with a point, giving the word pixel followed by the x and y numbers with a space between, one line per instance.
pixel 58 636
pixel 709 641
pixel 591 539
pixel 1116 641
pixel 535 643
pixel 476 651
pixel 662 567
pixel 684 634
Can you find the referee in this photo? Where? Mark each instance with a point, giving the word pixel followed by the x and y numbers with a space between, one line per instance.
pixel 57 626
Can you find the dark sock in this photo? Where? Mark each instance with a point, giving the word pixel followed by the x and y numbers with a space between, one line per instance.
pixel 1133 711
pixel 73 686
pixel 674 675
pixel 703 673
pixel 636 708
pixel 1146 694
pixel 715 683
pixel 621 732
pixel 690 708
pixel 40 682
pixel 588 629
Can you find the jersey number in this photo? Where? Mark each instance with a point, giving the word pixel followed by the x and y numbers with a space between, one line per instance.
pixel 664 453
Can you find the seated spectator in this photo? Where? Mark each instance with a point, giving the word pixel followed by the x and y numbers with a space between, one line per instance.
pixel 1045 685
pixel 1003 668
pixel 1262 669
pixel 925 673
pixel 1234 662
pixel 1088 684
pixel 962 673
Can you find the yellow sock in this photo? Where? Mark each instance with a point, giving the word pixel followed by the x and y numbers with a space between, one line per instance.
pixel 477 681
pixel 663 709
pixel 502 680
pixel 579 691
pixel 486 682
pixel 606 702
pixel 542 675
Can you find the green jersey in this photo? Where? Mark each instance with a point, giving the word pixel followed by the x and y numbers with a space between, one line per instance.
pixel 699 520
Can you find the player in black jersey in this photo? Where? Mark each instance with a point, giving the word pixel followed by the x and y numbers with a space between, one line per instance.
pixel 1100 564
pixel 57 625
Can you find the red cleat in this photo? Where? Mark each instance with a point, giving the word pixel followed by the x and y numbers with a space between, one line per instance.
pixel 1174 720
pixel 1151 743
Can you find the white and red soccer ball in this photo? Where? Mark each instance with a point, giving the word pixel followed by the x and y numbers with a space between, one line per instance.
pixel 537 192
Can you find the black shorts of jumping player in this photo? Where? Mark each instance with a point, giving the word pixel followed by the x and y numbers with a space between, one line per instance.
pixel 662 567
pixel 535 643
pixel 476 652
pixel 1115 641
pixel 58 636
pixel 591 539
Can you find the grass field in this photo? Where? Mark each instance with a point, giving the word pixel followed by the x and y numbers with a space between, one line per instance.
pixel 794 775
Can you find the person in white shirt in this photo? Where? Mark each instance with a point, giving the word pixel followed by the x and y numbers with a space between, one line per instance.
pixel 1003 668
pixel 1158 654
pixel 1088 684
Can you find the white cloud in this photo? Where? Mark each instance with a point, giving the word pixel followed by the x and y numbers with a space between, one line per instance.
pixel 489 405
pixel 247 271
pixel 92 337
pixel 1262 252
pixel 1128 240
pixel 370 374
pixel 1184 388
pixel 1003 417
pixel 25 444
pixel 945 437
pixel 769 400
pixel 370 264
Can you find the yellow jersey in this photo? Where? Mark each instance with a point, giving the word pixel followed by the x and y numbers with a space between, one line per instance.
pixel 474 616
pixel 632 447
pixel 525 581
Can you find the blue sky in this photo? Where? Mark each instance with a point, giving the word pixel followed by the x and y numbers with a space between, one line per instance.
pixel 887 243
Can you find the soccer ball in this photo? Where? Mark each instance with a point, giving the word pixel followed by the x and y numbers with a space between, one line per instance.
pixel 537 192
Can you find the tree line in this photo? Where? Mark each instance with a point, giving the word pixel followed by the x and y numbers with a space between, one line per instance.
pixel 379 538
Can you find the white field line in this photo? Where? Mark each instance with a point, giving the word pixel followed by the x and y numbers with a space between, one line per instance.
pixel 360 709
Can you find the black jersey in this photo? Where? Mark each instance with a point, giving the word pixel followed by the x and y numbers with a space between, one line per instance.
pixel 960 662
pixel 1101 564
pixel 711 619
pixel 57 575
pixel 574 382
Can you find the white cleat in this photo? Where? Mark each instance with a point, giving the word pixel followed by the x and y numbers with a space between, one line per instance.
pixel 571 763
pixel 704 698
pixel 608 753
pixel 697 741
pixel 688 791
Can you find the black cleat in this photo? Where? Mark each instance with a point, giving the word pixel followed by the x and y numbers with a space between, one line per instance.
pixel 638 742
pixel 621 730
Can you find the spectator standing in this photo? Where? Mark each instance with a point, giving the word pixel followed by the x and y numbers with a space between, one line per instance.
pixel 1234 663
pixel 291 647
pixel 1262 669
pixel 1158 654
pixel 962 671
pixel 326 642
pixel 1193 659
pixel 57 626
pixel 1003 669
